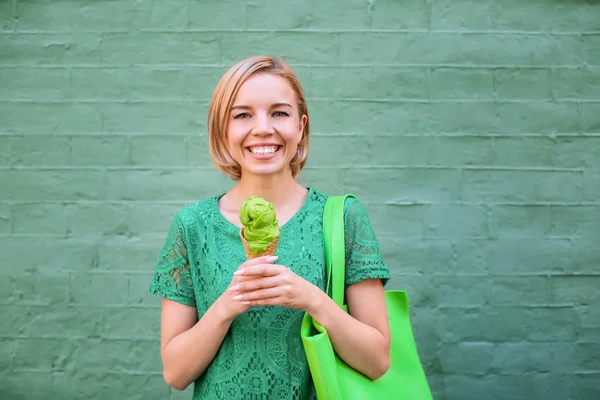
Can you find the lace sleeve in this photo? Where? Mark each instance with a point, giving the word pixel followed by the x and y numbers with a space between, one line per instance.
pixel 173 279
pixel 363 258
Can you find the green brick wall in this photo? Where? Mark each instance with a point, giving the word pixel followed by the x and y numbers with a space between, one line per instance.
pixel 470 129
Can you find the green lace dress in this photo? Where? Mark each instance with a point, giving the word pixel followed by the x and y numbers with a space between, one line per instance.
pixel 261 356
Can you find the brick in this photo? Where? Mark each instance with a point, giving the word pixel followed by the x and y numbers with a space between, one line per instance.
pixel 525 221
pixel 591 49
pixel 416 256
pixel 584 256
pixel 389 14
pixel 460 150
pixel 462 49
pixel 118 355
pixel 56 352
pixel 127 83
pixel 24 384
pixel 50 255
pixel 538 117
pixel 574 289
pixel 99 150
pixel 577 152
pixel 418 184
pixel 109 384
pixel 267 14
pixel 561 17
pixel 99 289
pixel 40 150
pixel 7 15
pixel 466 358
pixel 460 290
pixel 117 219
pixel 129 322
pixel 590 184
pixel 532 186
pixel 16 320
pixel 540 324
pixel 5 150
pixel 524 151
pixel 164 185
pixel 420 291
pixel 580 83
pixel 530 256
pixel 72 16
pixel 56 49
pixel 518 291
pixel 5 218
pixel 221 15
pixel 33 83
pixel 159 48
pixel 200 82
pixel 196 151
pixel 522 83
pixel 533 357
pixel 51 323
pixel 590 315
pixel 294 47
pixel 158 151
pixel 138 256
pixel 389 219
pixel 163 117
pixel 39 218
pixel 578 221
pixel 139 295
pixel 455 221
pixel 332 151
pixel 408 150
pixel 39 289
pixel 589 119
pixel 587 357
pixel 368 83
pixel 65 184
pixel 457 83
pixel 585 386
pixel 464 15
pixel 50 118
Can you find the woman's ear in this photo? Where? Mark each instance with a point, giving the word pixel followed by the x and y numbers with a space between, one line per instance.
pixel 303 121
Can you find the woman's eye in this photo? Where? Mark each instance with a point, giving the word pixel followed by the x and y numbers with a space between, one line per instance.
pixel 280 114
pixel 242 115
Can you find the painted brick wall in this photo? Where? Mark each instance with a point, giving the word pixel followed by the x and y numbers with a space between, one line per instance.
pixel 471 130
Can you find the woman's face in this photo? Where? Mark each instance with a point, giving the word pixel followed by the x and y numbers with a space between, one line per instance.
pixel 265 126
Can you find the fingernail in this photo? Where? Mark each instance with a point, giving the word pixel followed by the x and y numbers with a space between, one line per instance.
pixel 238 297
pixel 272 258
pixel 236 287
pixel 239 272
pixel 245 302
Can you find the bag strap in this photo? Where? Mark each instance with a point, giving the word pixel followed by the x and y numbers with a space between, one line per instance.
pixel 335 248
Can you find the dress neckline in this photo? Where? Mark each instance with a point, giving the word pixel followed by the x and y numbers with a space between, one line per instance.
pixel 233 226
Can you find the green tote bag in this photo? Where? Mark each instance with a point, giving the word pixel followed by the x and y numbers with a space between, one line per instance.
pixel 333 379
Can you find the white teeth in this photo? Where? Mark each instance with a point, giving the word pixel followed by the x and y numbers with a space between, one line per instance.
pixel 264 150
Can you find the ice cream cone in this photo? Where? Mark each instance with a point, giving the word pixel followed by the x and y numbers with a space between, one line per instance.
pixel 270 251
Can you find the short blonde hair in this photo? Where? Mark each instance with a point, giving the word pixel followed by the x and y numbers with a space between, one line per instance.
pixel 222 101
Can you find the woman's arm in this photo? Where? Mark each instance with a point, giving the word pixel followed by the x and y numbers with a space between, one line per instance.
pixel 362 337
pixel 189 345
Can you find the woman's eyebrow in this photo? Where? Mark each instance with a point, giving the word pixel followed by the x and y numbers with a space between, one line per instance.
pixel 240 106
pixel 281 104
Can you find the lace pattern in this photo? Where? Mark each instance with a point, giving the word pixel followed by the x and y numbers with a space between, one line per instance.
pixel 262 354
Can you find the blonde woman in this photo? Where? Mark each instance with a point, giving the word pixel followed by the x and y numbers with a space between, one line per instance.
pixel 238 336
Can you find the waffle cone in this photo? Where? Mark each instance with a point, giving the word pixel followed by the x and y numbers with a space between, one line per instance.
pixel 270 251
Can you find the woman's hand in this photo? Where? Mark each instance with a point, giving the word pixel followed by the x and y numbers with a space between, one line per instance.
pixel 229 306
pixel 274 285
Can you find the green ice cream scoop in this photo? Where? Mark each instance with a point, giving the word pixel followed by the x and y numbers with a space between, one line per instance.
pixel 260 223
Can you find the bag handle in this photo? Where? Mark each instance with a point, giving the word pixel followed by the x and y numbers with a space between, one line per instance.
pixel 335 248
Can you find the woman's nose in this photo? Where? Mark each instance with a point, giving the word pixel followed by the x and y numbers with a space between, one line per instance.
pixel 262 125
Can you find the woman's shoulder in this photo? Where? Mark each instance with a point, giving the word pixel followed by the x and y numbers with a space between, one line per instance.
pixel 200 211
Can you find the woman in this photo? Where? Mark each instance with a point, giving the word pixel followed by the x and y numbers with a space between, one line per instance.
pixel 231 325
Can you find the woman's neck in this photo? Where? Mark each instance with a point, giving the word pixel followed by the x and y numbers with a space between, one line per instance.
pixel 279 192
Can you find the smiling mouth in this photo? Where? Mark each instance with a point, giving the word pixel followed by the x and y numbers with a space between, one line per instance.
pixel 263 149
